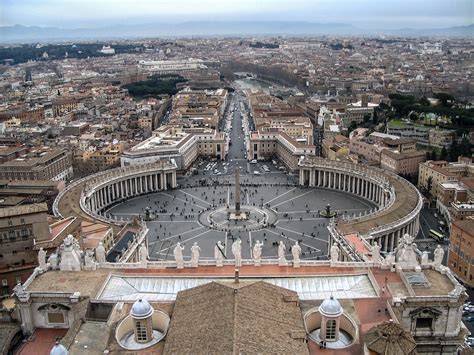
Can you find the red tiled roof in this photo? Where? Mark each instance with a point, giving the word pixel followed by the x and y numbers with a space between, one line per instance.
pixel 42 341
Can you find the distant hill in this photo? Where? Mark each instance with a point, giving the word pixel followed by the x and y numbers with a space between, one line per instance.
pixel 20 33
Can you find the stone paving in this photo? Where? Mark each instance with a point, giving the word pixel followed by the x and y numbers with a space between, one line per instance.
pixel 175 217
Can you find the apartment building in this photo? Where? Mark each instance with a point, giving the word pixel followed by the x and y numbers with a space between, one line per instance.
pixel 437 172
pixel 461 250
pixel 40 164
pixel 198 108
pixel 20 226
pixel 402 163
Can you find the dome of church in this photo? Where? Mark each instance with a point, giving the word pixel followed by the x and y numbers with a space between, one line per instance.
pixel 419 77
pixel 141 309
pixel 58 349
pixel 331 307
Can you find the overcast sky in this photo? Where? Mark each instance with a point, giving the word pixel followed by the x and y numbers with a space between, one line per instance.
pixel 382 14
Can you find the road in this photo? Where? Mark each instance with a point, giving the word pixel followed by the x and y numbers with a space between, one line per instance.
pixel 424 241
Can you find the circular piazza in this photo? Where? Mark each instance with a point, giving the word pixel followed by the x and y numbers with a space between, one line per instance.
pixel 373 204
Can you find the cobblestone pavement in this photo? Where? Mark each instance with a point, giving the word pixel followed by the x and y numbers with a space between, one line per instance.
pixel 175 218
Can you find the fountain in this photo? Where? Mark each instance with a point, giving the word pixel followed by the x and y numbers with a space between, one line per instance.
pixel 327 213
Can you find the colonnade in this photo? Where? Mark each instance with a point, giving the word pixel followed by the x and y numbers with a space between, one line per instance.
pixel 373 185
pixel 123 187
pixel 362 185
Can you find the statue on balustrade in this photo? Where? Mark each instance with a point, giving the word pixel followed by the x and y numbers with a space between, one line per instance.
pixel 237 251
pixel 178 255
pixel 335 253
pixel 438 255
pixel 195 251
pixel 100 253
pixel 296 251
pixel 257 253
pixel 42 259
pixel 281 254
pixel 218 253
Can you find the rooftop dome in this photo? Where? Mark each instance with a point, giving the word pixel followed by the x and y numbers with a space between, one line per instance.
pixel 58 349
pixel 141 309
pixel 331 307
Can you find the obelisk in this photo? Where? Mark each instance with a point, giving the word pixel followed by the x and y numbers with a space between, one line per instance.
pixel 237 191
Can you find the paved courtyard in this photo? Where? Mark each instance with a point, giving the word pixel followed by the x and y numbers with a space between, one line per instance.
pixel 291 213
pixel 175 217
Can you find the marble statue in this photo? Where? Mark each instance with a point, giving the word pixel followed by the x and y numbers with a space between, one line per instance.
pixel 257 253
pixel 20 291
pixel 89 261
pixel 178 255
pixel 42 259
pixel 296 251
pixel 142 253
pixel 375 253
pixel 335 253
pixel 195 251
pixel 281 254
pixel 407 253
pixel 53 261
pixel 100 253
pixel 438 255
pixel 71 255
pixel 424 258
pixel 237 251
pixel 218 250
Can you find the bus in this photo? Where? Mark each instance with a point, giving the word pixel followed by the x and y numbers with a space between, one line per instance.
pixel 436 235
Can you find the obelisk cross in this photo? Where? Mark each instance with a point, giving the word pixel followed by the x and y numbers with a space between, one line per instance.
pixel 237 191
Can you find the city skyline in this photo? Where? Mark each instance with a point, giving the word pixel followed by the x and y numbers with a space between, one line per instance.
pixel 368 14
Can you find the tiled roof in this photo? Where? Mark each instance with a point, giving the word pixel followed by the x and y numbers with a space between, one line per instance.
pixel 236 318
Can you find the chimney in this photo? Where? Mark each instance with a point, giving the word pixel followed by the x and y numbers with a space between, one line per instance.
pixel 236 276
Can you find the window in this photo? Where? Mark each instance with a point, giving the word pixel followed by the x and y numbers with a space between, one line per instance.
pixel 140 331
pixel 4 282
pixel 331 330
pixel 18 279
pixel 424 323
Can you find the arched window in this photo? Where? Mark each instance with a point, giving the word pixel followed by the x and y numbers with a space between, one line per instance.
pixel 331 329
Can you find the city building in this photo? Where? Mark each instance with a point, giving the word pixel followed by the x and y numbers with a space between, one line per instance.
pixel 402 163
pixel 171 66
pixel 100 159
pixel 198 108
pixel 433 173
pixel 20 227
pixel 454 197
pixel 441 137
pixel 269 143
pixel 461 250
pixel 182 145
pixel 39 164
pixel 408 130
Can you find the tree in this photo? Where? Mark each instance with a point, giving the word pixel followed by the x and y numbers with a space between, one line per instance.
pixel 352 126
pixel 444 154
pixel 424 101
pixel 429 185
pixel 375 117
pixel 434 154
